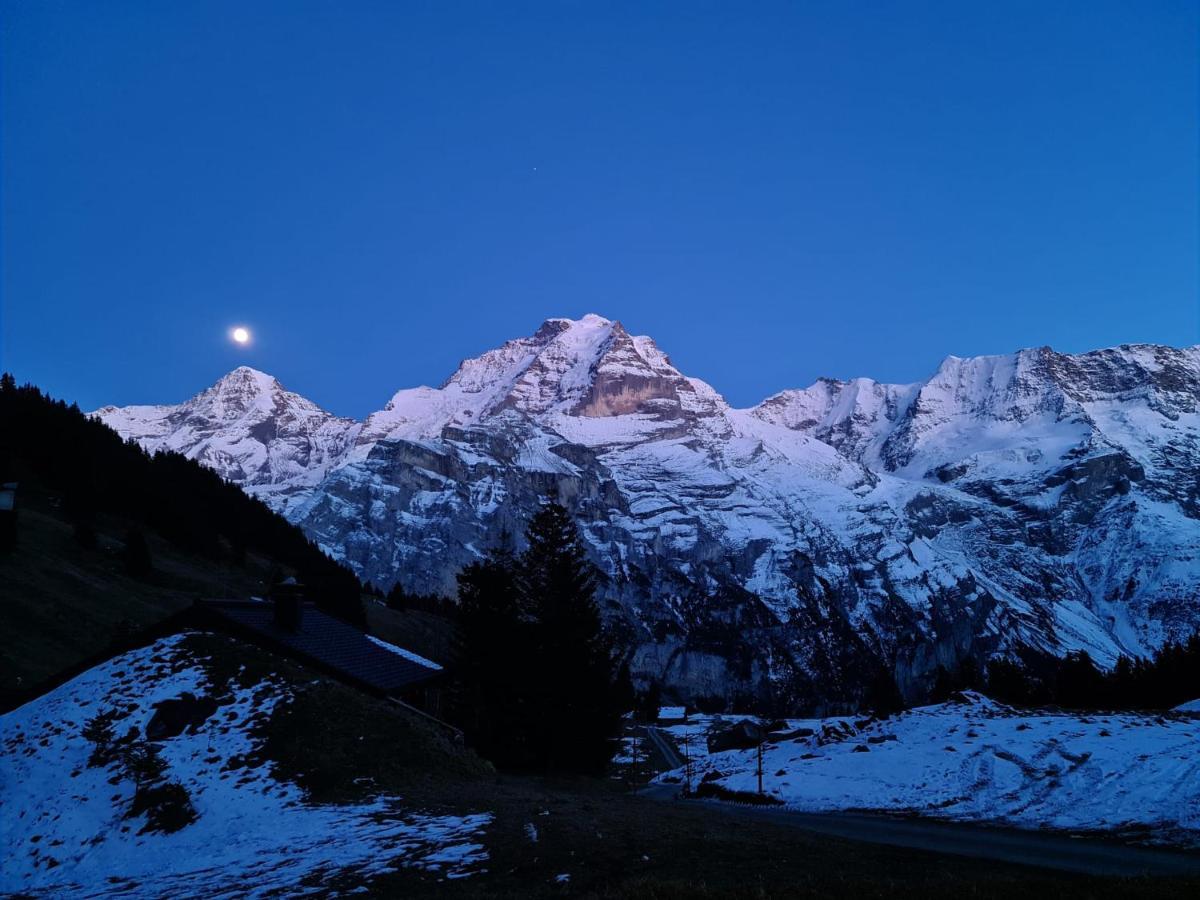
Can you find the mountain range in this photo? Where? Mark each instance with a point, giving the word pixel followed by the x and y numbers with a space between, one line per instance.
pixel 1029 503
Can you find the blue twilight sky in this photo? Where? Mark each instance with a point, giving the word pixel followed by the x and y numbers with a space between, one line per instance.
pixel 773 191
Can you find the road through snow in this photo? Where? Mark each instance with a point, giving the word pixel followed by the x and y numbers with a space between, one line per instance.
pixel 1030 848
pixel 665 747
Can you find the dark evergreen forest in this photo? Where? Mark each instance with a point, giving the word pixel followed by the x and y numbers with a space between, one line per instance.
pixel 540 687
pixel 1074 681
pixel 98 474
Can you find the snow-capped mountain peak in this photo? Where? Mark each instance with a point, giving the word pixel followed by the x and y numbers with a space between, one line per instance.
pixel 589 366
pixel 247 427
pixel 585 368
pixel 243 391
pixel 1034 500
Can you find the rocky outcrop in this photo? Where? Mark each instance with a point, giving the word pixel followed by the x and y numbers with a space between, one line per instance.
pixel 793 551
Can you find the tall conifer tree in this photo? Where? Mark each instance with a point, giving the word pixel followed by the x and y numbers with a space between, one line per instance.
pixel 579 710
pixel 495 668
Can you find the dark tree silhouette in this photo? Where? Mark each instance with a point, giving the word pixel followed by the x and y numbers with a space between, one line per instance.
pixel 1171 677
pixel 1009 682
pixel 396 598
pixel 193 508
pixel 495 667
pixel 539 688
pixel 1078 683
pixel 965 677
pixel 883 694
pixel 575 695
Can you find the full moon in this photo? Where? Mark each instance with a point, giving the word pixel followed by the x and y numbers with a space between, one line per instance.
pixel 241 335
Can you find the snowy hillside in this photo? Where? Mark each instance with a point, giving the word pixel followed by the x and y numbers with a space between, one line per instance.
pixel 789 551
pixel 85 812
pixel 979 760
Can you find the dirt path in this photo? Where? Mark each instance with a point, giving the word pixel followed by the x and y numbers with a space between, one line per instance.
pixel 1031 848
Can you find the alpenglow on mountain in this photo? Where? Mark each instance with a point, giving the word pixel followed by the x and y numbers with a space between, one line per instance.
pixel 1034 502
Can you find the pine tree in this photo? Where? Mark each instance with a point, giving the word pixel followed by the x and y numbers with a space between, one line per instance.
pixel 943 685
pixel 1079 684
pixel 969 676
pixel 883 694
pixel 396 598
pixel 578 711
pixel 495 671
pixel 537 684
pixel 1009 682
pixel 1121 683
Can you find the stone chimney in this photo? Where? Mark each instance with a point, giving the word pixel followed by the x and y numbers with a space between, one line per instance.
pixel 288 600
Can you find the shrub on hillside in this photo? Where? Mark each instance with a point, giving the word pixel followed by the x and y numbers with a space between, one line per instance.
pixel 166 804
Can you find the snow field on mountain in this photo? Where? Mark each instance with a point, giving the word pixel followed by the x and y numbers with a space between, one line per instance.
pixel 66 828
pixel 978 760
pixel 1034 500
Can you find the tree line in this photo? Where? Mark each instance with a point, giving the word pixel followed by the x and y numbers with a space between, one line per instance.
pixel 538 680
pixel 537 684
pixel 98 474
pixel 1163 681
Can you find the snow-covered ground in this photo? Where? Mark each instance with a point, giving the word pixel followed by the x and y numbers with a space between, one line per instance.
pixel 690 735
pixel 978 760
pixel 65 824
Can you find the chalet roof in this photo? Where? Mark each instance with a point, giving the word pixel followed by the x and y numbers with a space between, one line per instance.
pixel 329 643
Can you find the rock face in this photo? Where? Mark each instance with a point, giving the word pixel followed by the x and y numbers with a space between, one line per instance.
pixel 792 551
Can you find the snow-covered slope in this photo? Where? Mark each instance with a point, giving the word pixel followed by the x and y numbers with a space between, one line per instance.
pixel 1035 500
pixel 72 826
pixel 247 428
pixel 978 760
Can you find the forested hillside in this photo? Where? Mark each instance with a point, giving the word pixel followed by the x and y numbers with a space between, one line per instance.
pixel 109 539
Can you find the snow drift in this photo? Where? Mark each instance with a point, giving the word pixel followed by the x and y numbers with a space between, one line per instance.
pixel 978 760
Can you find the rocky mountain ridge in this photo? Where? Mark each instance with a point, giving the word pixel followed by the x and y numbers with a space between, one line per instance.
pixel 796 550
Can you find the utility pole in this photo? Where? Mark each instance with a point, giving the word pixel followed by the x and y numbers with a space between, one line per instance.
pixel 635 755
pixel 687 763
pixel 762 737
pixel 760 789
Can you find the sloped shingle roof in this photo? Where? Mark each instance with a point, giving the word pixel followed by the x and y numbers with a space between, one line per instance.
pixel 330 643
